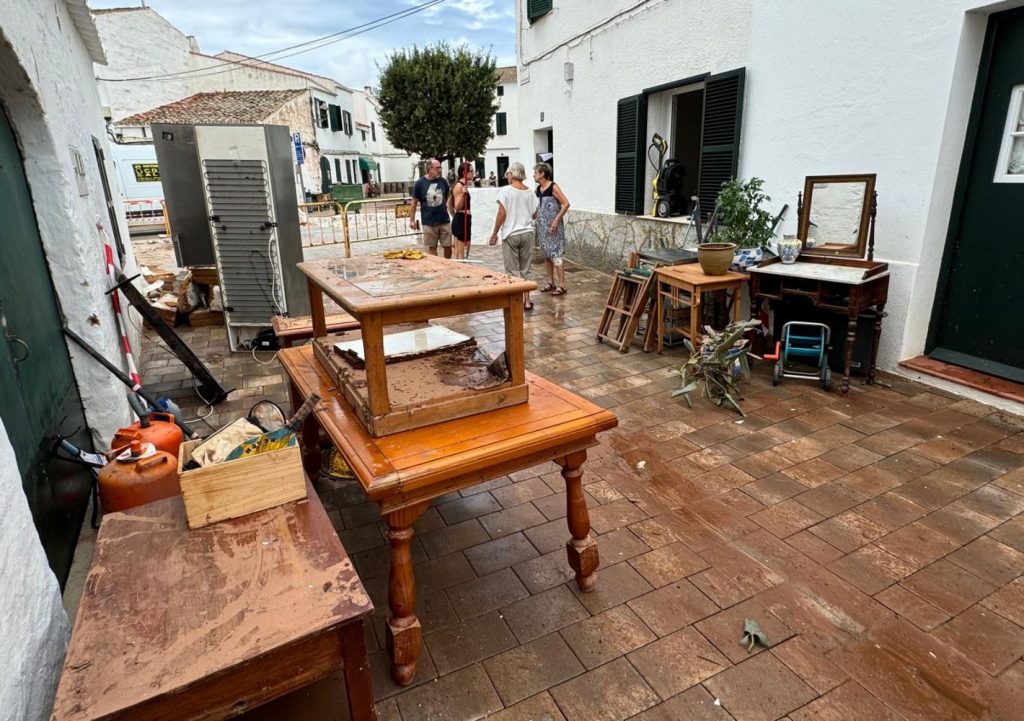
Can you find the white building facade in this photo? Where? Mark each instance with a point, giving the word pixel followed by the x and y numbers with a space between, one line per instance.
pixel 53 152
pixel 816 89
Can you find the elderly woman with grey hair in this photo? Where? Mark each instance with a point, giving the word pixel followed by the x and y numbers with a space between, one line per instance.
pixel 517 207
pixel 553 205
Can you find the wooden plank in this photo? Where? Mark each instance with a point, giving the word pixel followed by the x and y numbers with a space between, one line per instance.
pixel 237 488
pixel 302 326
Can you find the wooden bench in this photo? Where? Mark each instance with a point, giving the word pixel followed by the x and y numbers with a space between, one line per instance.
pixel 289 330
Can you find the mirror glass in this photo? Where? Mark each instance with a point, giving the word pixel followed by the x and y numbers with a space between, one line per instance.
pixel 835 214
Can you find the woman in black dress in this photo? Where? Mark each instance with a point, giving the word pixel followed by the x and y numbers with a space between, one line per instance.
pixel 462 216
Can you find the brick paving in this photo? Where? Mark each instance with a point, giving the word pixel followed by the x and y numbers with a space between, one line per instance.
pixel 877 538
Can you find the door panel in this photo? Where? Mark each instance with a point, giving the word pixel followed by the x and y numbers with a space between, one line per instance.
pixel 976 322
pixel 37 387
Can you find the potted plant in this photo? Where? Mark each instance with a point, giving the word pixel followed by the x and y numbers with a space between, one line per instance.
pixel 744 221
pixel 720 363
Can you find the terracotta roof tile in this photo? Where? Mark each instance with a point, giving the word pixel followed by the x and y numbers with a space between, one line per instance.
pixel 242 107
pixel 506 74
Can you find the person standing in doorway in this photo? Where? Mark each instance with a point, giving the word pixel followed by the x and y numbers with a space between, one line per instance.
pixel 462 218
pixel 552 207
pixel 517 207
pixel 431 194
pixel 492 180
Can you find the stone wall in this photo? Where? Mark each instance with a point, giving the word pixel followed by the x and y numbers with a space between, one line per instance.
pixel 603 241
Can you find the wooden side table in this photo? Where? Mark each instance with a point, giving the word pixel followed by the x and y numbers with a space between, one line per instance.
pixel 205 624
pixel 683 286
pixel 403 472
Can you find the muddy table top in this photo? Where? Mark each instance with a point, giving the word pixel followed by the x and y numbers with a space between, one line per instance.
pixel 371 283
pixel 167 610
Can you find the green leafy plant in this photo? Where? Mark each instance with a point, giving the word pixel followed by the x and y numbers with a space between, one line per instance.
pixel 721 362
pixel 743 220
pixel 439 101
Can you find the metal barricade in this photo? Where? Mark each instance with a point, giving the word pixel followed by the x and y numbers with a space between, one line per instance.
pixel 320 223
pixel 372 219
pixel 145 216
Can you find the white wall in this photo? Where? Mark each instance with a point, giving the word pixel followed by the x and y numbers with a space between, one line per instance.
pixel 49 93
pixel 892 98
pixel 662 41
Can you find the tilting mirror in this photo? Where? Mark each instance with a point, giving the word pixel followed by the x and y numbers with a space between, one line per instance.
pixel 837 215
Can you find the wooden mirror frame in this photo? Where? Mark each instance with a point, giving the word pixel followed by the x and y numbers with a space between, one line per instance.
pixel 867 215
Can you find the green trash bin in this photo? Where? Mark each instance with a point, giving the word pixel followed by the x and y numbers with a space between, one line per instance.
pixel 344 193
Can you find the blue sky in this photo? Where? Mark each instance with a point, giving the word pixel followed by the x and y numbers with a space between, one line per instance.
pixel 255 27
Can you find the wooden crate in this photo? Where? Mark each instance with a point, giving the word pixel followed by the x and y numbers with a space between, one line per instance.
pixel 237 488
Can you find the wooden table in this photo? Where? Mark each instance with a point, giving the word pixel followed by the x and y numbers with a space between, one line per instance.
pixel 683 286
pixel 845 286
pixel 177 624
pixel 380 292
pixel 402 473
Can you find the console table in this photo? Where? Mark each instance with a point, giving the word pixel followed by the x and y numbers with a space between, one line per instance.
pixel 403 472
pixel 838 285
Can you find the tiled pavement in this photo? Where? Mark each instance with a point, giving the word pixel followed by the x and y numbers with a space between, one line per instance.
pixel 878 540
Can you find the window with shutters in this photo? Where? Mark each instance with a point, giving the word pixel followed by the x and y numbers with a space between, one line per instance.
pixel 500 124
pixel 536 9
pixel 347 122
pixel 322 117
pixel 373 131
pixel 700 118
pixel 335 113
pixel 501 90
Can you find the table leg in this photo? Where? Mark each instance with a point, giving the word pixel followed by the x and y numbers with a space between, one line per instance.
pixel 660 309
pixel 358 687
pixel 309 436
pixel 695 318
pixel 879 315
pixel 580 548
pixel 404 634
pixel 851 338
pixel 737 297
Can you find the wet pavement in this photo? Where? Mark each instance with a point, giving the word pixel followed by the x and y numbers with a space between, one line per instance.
pixel 877 539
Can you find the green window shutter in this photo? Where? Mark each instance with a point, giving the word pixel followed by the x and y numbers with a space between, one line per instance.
pixel 537 8
pixel 325 174
pixel 337 170
pixel 373 131
pixel 335 116
pixel 629 158
pixel 500 124
pixel 347 124
pixel 720 135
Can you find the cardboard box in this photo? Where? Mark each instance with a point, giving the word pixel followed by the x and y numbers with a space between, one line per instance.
pixel 237 488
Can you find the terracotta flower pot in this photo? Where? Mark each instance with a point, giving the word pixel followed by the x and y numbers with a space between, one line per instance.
pixel 715 258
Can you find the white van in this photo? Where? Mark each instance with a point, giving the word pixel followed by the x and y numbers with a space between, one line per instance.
pixel 138 179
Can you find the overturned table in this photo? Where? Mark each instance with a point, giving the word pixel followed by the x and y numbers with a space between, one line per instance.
pixel 403 472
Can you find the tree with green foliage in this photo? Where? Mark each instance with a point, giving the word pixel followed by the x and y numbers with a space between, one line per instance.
pixel 438 101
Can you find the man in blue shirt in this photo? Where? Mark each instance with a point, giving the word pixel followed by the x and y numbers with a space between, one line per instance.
pixel 431 194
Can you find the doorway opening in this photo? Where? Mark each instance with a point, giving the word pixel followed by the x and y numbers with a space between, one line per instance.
pixel 502 169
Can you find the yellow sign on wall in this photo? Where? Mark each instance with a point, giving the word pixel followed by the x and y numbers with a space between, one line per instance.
pixel 146 172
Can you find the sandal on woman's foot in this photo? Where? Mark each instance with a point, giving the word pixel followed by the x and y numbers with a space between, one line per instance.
pixel 559 291
pixel 548 288
pixel 528 307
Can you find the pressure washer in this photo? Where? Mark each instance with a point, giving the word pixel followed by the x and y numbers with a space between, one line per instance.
pixel 669 178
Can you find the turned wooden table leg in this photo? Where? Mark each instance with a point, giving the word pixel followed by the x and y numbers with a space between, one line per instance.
pixel 404 634
pixel 879 315
pixel 580 548
pixel 851 339
pixel 309 436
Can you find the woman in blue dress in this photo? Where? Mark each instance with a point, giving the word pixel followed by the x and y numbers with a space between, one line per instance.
pixel 553 205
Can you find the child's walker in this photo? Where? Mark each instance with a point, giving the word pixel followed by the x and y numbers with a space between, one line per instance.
pixel 805 341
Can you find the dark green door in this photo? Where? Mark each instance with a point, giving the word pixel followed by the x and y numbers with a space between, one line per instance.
pixel 979 304
pixel 37 388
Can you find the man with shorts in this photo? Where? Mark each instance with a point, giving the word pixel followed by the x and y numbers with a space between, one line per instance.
pixel 431 194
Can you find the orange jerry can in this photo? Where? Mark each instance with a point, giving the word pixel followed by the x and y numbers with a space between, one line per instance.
pixel 156 428
pixel 138 475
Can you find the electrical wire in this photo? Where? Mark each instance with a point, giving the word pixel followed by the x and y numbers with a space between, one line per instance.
pixel 314 44
pixel 264 363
